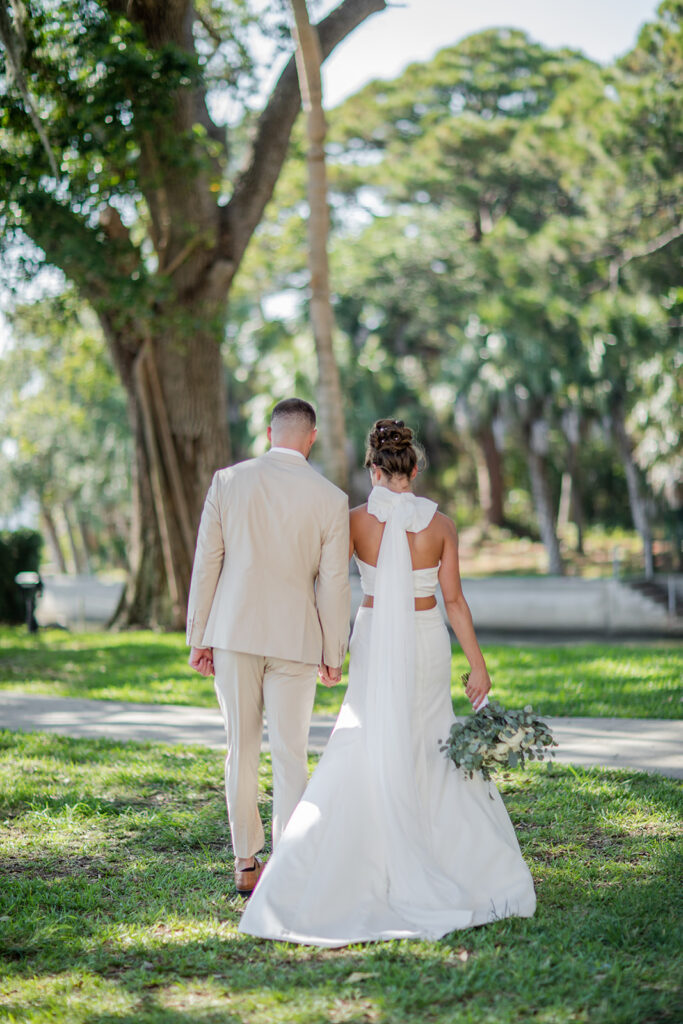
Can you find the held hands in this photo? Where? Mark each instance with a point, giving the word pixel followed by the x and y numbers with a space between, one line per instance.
pixel 201 660
pixel 329 676
pixel 477 686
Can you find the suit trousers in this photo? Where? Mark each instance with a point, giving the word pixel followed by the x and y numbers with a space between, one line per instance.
pixel 245 684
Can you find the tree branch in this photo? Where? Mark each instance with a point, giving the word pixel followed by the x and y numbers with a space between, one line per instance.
pixel 255 185
pixel 652 247
pixel 177 201
pixel 98 260
pixel 11 36
pixel 618 262
pixel 211 30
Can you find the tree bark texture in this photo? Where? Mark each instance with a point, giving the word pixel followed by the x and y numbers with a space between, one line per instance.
pixel 543 502
pixel 637 499
pixel 52 536
pixel 77 560
pixel 489 477
pixel 576 510
pixel 332 428
pixel 87 546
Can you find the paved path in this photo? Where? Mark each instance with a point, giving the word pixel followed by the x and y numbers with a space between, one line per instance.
pixel 654 745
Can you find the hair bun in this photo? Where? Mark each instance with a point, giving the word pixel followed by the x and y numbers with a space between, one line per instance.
pixel 391 449
pixel 390 436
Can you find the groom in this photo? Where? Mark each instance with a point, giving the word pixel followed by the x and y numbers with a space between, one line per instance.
pixel 268 603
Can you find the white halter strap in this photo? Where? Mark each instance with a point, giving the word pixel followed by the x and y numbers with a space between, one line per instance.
pixel 413 889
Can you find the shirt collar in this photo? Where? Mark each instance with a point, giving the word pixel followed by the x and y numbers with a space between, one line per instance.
pixel 288 451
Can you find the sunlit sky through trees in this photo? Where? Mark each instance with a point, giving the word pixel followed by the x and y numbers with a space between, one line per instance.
pixel 416 29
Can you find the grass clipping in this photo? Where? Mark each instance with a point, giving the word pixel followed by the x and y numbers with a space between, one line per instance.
pixel 496 737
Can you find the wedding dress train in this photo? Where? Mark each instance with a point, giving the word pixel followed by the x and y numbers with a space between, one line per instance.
pixel 390 840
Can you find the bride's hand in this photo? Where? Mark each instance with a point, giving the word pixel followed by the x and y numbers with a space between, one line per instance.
pixel 478 685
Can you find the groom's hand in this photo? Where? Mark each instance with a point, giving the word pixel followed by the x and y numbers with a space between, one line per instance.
pixel 329 676
pixel 201 660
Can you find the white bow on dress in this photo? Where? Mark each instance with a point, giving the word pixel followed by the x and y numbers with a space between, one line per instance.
pixel 410 512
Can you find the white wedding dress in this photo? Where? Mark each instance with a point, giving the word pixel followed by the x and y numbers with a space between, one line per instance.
pixel 390 839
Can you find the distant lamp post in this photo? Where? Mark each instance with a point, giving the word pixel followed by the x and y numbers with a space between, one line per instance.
pixel 31 584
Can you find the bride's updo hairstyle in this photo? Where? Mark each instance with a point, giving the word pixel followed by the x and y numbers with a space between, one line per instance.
pixel 392 449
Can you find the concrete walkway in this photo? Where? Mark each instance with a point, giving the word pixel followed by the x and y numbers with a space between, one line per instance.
pixel 654 745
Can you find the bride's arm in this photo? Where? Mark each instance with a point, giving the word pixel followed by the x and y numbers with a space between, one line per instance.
pixel 354 526
pixel 459 615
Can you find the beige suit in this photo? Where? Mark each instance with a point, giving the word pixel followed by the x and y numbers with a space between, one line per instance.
pixel 270 595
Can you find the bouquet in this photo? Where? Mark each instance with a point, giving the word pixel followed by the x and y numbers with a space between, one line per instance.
pixel 494 738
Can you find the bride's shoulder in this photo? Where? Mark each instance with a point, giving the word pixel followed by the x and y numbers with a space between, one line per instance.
pixel 444 524
pixel 361 522
pixel 359 517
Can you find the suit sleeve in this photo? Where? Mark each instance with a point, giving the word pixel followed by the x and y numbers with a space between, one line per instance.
pixel 208 562
pixel 333 594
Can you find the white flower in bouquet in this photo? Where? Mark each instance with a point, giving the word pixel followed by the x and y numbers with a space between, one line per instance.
pixel 516 740
pixel 495 737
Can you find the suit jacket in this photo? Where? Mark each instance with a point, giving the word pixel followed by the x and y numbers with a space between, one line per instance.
pixel 271 569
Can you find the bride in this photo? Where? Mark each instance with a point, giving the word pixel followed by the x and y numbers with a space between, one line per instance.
pixel 390 839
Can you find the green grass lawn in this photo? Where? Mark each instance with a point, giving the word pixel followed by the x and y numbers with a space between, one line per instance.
pixel 629 680
pixel 116 905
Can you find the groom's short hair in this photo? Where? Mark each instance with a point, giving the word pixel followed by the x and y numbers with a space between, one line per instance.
pixel 294 411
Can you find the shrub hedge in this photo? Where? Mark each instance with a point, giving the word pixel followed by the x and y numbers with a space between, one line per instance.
pixel 19 552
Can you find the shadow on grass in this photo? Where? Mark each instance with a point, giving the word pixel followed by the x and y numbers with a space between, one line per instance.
pixel 116 879
pixel 597 935
pixel 607 953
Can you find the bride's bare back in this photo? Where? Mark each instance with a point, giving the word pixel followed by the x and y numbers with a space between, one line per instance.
pixel 435 545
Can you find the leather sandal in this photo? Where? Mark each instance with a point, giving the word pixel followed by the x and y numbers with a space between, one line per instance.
pixel 247 878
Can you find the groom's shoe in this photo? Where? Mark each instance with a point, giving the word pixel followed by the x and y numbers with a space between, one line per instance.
pixel 246 879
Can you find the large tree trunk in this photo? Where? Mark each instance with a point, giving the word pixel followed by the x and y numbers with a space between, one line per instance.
pixel 177 404
pixel 637 499
pixel 542 498
pixel 330 407
pixel 489 476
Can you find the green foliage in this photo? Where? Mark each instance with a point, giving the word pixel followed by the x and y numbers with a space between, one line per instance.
pixel 65 421
pixel 142 170
pixel 105 90
pixel 116 902
pixel 505 254
pixel 506 239
pixel 19 552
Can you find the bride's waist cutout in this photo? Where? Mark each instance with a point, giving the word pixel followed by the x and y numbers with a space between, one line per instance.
pixel 422 604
